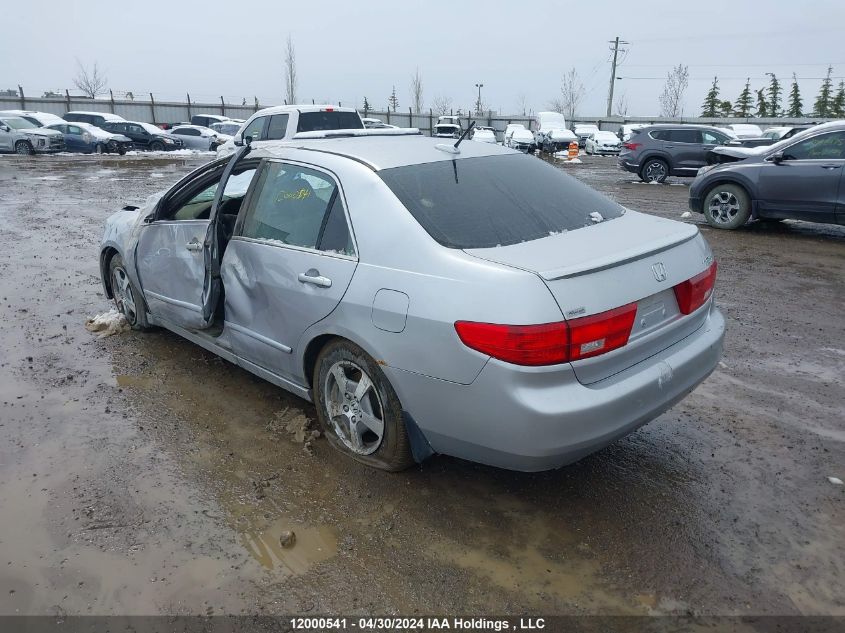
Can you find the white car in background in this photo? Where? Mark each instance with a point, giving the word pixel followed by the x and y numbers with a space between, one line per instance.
pixel 41 119
pixel 584 131
pixel 484 135
pixel 603 142
pixel 746 130
pixel 226 128
pixel 521 139
pixel 199 137
pixel 551 134
pixel 627 130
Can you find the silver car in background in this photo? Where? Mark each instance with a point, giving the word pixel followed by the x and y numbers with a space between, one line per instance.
pixel 475 302
pixel 198 137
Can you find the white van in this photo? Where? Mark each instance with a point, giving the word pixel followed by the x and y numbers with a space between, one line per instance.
pixel 551 133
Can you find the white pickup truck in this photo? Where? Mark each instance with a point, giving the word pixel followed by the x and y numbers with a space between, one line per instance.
pixel 280 123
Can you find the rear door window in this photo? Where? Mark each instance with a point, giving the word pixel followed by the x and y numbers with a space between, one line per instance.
pixel 495 200
pixel 685 136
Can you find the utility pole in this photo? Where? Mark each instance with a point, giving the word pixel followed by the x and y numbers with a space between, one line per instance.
pixel 478 103
pixel 615 48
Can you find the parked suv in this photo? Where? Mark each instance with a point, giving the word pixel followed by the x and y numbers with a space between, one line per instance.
pixel 799 177
pixel 659 151
pixel 145 135
pixel 22 137
pixel 206 120
pixel 282 122
pixel 94 118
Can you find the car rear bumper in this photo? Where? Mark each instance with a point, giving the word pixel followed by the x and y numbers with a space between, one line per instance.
pixel 540 418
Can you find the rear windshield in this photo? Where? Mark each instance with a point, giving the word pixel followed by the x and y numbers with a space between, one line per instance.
pixel 318 121
pixel 495 200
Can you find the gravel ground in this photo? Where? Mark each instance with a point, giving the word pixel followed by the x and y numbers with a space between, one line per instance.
pixel 142 475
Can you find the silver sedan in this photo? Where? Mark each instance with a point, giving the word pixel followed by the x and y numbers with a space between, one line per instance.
pixel 475 302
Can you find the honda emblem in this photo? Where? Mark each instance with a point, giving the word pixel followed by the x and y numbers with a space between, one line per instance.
pixel 659 271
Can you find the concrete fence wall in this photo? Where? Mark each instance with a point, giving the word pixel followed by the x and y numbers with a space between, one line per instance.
pixel 170 112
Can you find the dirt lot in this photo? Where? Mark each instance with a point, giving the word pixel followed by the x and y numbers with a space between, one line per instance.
pixel 139 474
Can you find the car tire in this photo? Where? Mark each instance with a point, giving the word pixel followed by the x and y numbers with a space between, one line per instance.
pixel 127 298
pixel 727 206
pixel 121 150
pixel 654 170
pixel 24 148
pixel 99 148
pixel 157 146
pixel 339 373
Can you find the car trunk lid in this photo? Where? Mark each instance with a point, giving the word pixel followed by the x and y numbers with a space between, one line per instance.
pixel 634 258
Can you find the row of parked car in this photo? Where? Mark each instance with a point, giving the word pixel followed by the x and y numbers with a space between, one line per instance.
pixel 32 132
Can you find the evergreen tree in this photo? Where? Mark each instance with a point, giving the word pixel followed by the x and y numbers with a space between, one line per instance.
pixel 393 101
pixel 742 107
pixel 762 104
pixel 726 109
pixel 838 106
pixel 712 104
pixel 796 106
pixel 824 102
pixel 775 91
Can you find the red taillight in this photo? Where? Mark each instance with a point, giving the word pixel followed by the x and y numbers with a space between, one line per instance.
pixel 544 344
pixel 551 343
pixel 631 146
pixel 694 293
pixel 600 333
pixel 328 109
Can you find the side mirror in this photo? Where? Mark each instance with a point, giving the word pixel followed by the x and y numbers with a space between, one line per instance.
pixel 248 140
pixel 238 140
pixel 777 158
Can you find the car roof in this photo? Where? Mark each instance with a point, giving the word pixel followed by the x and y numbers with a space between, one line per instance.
pixel 303 108
pixel 383 151
pixel 201 128
pixel 107 115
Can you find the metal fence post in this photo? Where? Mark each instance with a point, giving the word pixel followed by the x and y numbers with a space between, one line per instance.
pixel 23 97
pixel 111 100
pixel 153 107
pixel 67 97
pixel 222 106
pixel 189 106
pixel 430 122
pixel 388 115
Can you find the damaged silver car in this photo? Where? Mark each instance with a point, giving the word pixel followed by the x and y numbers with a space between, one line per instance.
pixel 471 300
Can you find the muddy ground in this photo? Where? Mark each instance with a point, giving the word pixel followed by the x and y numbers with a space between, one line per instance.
pixel 140 474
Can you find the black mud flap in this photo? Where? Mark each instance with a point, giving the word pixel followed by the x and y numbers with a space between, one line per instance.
pixel 420 448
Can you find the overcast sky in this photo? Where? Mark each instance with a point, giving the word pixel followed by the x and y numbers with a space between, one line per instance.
pixel 348 50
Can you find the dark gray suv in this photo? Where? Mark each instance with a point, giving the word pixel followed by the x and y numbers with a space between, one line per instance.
pixel 799 177
pixel 658 151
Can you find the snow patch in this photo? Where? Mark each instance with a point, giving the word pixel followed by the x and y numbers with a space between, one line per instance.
pixel 835 480
pixel 686 214
pixel 156 174
pixel 595 216
pixel 108 323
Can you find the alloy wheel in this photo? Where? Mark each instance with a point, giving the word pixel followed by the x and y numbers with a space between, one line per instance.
pixel 354 407
pixel 123 297
pixel 655 171
pixel 723 207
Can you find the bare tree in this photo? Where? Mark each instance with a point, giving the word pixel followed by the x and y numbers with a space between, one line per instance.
pixel 572 93
pixel 622 105
pixel 441 105
pixel 290 73
pixel 92 82
pixel 522 103
pixel 672 97
pixel 417 91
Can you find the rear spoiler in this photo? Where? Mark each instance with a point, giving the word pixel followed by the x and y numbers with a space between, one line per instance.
pixel 399 131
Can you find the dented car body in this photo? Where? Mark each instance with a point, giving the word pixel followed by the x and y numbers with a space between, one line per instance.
pixel 426 301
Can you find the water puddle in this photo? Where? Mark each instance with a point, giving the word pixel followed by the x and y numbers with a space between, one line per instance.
pixel 311 545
